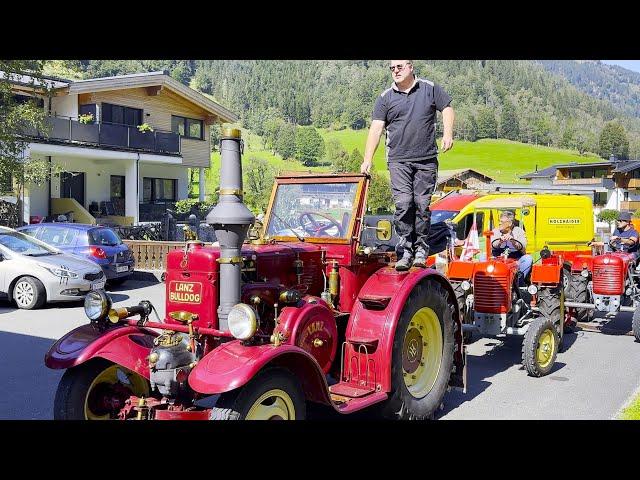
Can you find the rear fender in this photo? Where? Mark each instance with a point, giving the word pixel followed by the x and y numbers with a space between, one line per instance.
pixel 375 328
pixel 548 272
pixel 127 346
pixel 232 365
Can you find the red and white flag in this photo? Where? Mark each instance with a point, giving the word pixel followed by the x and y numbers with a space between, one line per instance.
pixel 471 244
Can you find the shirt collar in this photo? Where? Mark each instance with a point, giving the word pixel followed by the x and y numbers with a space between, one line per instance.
pixel 415 82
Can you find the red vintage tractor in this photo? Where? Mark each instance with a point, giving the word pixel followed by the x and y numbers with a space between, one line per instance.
pixel 302 313
pixel 495 301
pixel 605 281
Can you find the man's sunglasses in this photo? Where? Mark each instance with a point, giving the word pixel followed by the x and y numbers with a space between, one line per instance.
pixel 399 67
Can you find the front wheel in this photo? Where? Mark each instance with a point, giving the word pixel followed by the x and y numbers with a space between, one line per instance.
pixel 540 347
pixel 29 293
pixel 274 394
pixel 422 358
pixel 96 390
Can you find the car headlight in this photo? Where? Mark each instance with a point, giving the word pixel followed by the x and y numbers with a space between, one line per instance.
pixel 243 321
pixel 60 272
pixel 466 285
pixel 97 305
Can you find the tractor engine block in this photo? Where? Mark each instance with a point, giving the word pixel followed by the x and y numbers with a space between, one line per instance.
pixel 170 362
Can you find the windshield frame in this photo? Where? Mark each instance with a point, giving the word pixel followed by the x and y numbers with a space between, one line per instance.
pixel 357 179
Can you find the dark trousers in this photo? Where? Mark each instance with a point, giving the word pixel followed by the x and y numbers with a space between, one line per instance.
pixel 412 184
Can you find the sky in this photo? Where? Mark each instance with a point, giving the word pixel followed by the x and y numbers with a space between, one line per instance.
pixel 628 64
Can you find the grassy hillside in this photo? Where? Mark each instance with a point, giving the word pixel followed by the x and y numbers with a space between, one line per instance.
pixel 502 160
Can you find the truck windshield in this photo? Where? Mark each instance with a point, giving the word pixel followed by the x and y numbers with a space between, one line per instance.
pixel 312 210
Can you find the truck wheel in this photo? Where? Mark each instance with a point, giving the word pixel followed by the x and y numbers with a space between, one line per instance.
pixel 274 394
pixel 422 357
pixel 551 305
pixel 96 390
pixel 460 298
pixel 540 347
pixel 578 292
pixel 29 293
pixel 635 325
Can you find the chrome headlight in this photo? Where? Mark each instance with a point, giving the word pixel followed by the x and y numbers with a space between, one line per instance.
pixel 60 271
pixel 584 273
pixel 466 285
pixel 532 289
pixel 243 321
pixel 97 305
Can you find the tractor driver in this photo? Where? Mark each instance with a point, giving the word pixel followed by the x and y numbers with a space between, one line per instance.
pixel 512 238
pixel 625 237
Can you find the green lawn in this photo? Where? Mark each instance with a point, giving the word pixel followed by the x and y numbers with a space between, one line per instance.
pixel 632 412
pixel 502 160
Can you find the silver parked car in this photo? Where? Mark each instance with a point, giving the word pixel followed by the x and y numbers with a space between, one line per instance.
pixel 32 272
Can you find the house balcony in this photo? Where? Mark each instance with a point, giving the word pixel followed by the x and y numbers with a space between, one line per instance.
pixel 580 181
pixel 630 206
pixel 66 130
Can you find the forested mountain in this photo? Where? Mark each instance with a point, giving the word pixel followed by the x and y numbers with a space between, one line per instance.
pixel 525 101
pixel 618 85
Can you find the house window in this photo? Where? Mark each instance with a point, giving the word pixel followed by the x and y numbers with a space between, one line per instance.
pixel 187 127
pixel 18 98
pixel 601 173
pixel 117 186
pixel 600 199
pixel 121 115
pixel 159 190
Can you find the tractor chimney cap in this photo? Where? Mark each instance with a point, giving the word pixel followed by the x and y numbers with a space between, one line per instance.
pixel 231 132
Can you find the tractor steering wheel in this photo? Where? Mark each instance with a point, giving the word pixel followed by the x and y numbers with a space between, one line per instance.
pixel 498 244
pixel 315 228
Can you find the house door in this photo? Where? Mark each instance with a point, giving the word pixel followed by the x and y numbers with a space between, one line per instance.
pixel 72 186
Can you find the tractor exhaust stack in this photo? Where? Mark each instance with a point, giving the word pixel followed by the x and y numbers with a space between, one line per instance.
pixel 231 220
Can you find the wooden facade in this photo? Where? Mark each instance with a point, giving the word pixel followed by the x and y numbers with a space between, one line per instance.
pixel 158 105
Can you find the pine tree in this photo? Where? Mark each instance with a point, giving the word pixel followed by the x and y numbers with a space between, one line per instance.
pixel 509 125
pixel 613 140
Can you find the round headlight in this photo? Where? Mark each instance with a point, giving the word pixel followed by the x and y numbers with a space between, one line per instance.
pixel 97 305
pixel 490 268
pixel 243 321
pixel 465 285
pixel 605 261
pixel 584 273
pixel 532 289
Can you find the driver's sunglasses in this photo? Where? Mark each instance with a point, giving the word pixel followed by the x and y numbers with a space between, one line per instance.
pixel 399 67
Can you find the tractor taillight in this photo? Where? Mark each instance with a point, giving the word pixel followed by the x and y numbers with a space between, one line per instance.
pixel 97 252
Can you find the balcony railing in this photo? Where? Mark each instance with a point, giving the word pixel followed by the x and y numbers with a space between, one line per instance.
pixel 66 129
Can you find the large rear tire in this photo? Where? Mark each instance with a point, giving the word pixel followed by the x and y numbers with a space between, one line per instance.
pixel 578 291
pixel 96 390
pixel 635 325
pixel 422 356
pixel 551 305
pixel 540 347
pixel 273 394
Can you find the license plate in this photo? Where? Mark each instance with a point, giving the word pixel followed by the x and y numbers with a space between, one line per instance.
pixel 98 285
pixel 122 268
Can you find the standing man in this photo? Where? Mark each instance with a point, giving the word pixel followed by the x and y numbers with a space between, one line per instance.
pixel 407 111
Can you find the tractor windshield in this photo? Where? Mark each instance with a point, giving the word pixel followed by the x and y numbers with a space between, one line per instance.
pixel 313 210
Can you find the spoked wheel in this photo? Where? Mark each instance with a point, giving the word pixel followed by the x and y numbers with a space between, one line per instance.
pixel 540 347
pixel 422 354
pixel 96 390
pixel 29 293
pixel 274 394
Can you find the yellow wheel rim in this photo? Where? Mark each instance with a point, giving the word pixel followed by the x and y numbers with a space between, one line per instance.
pixel 422 352
pixel 95 406
pixel 545 349
pixel 272 405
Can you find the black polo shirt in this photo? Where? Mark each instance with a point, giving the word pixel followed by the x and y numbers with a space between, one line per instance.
pixel 409 119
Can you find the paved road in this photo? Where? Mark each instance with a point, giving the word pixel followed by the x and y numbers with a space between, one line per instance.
pixel 592 379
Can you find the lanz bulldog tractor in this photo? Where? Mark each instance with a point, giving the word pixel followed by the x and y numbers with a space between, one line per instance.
pixel 304 312
pixel 605 281
pixel 495 300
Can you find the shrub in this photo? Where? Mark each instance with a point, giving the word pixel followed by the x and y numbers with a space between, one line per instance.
pixel 608 216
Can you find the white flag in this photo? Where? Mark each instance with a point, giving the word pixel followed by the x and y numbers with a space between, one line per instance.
pixel 471 244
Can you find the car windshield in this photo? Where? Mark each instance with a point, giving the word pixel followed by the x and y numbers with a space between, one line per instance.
pixel 104 236
pixel 442 215
pixel 20 243
pixel 312 210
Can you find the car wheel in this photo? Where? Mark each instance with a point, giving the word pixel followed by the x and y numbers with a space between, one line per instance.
pixel 29 293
